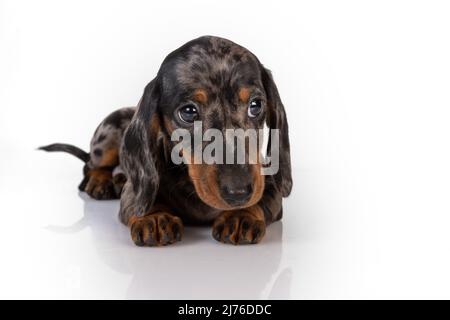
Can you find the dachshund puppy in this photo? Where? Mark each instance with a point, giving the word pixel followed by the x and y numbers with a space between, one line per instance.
pixel 208 79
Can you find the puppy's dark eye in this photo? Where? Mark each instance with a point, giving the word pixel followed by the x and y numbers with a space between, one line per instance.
pixel 254 108
pixel 188 113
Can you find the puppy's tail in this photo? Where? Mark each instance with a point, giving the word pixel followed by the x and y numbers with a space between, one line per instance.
pixel 77 152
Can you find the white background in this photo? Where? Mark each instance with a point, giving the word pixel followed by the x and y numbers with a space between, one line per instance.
pixel 366 88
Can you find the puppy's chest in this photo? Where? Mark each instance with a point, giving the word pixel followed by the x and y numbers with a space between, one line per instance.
pixel 178 193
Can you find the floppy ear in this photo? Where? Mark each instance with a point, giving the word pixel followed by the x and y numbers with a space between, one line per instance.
pixel 139 154
pixel 277 120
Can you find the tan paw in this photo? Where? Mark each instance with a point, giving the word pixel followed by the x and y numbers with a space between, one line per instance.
pixel 156 229
pixel 100 185
pixel 239 227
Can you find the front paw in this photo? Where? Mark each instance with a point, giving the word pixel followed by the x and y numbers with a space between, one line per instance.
pixel 239 227
pixel 156 229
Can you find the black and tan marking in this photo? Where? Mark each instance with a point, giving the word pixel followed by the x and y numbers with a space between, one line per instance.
pixel 130 151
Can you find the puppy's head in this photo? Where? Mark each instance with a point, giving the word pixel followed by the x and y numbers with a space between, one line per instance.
pixel 224 86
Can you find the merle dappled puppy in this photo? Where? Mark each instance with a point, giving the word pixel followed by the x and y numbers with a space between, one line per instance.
pixel 208 79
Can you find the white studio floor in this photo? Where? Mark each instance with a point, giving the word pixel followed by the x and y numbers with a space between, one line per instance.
pixel 366 92
pixel 57 243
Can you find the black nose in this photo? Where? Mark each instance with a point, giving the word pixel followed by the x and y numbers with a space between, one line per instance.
pixel 237 195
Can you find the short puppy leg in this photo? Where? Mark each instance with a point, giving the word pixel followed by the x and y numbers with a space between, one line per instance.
pixel 99 184
pixel 119 179
pixel 242 226
pixel 156 229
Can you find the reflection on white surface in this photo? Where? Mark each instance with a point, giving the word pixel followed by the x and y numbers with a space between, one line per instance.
pixel 198 267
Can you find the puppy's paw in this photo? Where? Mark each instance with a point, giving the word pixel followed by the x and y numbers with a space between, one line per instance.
pixel 100 185
pixel 156 229
pixel 239 227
